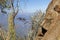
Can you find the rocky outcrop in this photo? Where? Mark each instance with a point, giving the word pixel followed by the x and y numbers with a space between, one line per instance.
pixel 51 21
pixel 51 13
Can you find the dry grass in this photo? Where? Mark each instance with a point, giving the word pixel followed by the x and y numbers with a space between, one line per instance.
pixel 36 28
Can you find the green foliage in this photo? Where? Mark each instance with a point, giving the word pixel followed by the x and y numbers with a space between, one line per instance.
pixel 3 3
pixel 1 38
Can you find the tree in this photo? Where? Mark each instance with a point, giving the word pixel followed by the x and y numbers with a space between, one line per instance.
pixel 11 17
pixel 12 35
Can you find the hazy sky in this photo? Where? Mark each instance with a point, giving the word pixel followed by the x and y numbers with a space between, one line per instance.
pixel 34 5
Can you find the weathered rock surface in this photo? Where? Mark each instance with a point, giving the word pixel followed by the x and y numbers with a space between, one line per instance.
pixel 52 21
